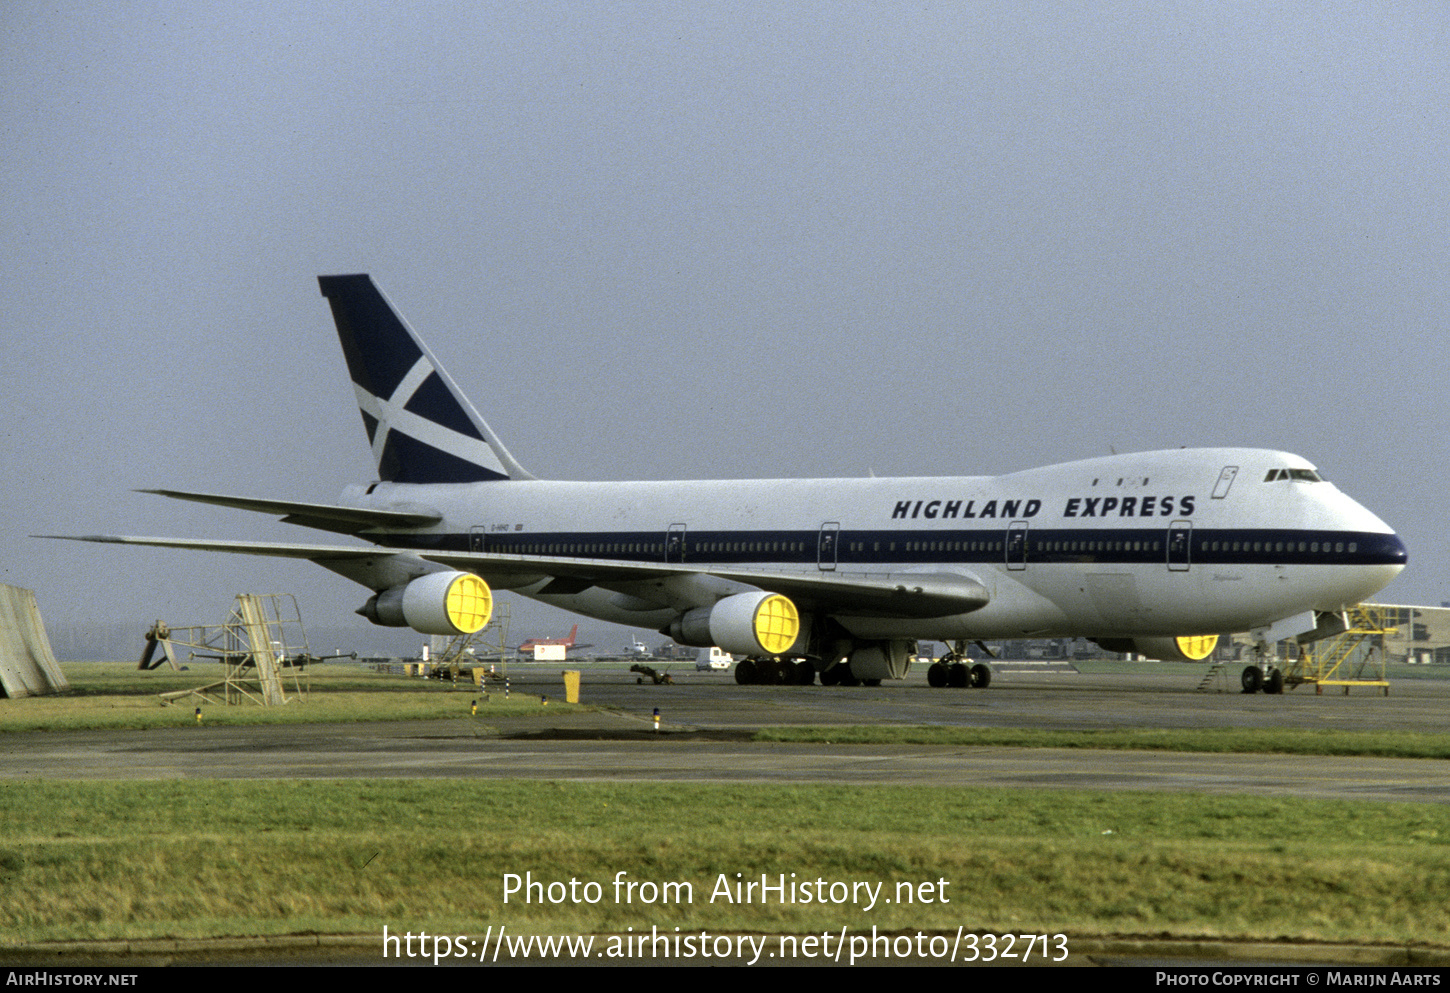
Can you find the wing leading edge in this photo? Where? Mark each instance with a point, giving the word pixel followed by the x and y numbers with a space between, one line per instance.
pixel 904 595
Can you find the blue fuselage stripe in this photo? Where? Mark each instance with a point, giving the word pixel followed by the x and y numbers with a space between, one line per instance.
pixel 863 549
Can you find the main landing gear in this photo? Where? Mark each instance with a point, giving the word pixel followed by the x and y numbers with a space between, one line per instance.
pixel 775 672
pixel 840 674
pixel 795 672
pixel 1267 678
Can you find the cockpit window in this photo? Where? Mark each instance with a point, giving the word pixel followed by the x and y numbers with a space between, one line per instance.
pixel 1301 475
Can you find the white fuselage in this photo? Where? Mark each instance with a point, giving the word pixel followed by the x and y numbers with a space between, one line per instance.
pixel 1189 541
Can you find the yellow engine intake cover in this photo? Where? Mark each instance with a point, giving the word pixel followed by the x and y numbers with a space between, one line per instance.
pixel 469 603
pixel 777 624
pixel 1197 646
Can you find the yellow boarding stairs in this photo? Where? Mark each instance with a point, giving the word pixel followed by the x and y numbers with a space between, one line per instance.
pixel 1355 657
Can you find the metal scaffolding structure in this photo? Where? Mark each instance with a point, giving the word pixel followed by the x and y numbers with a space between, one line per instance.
pixel 489 640
pixel 469 655
pixel 261 638
pixel 1355 657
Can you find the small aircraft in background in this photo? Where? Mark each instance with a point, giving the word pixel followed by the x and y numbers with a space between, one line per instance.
pixel 567 643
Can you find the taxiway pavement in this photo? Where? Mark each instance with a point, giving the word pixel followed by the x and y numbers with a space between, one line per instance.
pixel 707 718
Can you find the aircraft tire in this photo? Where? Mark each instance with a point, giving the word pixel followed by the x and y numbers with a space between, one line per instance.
pixel 870 682
pixel 936 675
pixel 1275 682
pixel 1252 679
pixel 745 673
pixel 981 676
pixel 958 676
pixel 805 673
pixel 831 676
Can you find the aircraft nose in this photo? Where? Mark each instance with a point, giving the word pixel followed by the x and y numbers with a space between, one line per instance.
pixel 1375 559
pixel 1396 552
pixel 1370 542
pixel 1382 550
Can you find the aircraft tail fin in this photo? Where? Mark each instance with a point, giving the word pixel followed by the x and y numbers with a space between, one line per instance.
pixel 421 426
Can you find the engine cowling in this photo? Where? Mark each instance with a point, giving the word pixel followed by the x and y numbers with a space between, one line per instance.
pixel 446 603
pixel 1188 648
pixel 756 623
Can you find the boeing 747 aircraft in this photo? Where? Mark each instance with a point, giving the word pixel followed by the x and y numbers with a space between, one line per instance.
pixel 1156 552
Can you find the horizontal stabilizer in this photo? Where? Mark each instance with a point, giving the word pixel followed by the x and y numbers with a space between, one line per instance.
pixel 322 516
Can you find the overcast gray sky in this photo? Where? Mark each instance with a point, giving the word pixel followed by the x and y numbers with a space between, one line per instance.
pixel 696 240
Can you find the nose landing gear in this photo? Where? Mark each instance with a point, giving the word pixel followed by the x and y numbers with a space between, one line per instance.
pixel 957 670
pixel 1270 679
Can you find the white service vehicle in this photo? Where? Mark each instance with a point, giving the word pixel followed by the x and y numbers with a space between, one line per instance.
pixel 713 659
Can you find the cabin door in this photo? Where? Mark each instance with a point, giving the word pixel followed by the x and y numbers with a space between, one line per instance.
pixel 675 544
pixel 1180 541
pixel 826 553
pixel 1017 545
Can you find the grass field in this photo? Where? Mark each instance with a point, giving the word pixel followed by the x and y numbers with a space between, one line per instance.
pixel 1283 741
pixel 196 859
pixel 113 695
pixel 96 860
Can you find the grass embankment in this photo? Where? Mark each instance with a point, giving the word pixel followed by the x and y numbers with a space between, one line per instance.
pixel 1283 741
pixel 108 695
pixel 195 859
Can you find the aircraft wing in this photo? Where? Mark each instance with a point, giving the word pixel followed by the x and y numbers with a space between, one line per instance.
pixel 892 595
pixel 322 516
pixel 314 553
pixel 879 595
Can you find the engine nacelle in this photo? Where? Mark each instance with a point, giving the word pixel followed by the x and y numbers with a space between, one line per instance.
pixel 1189 648
pixel 447 603
pixel 743 624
